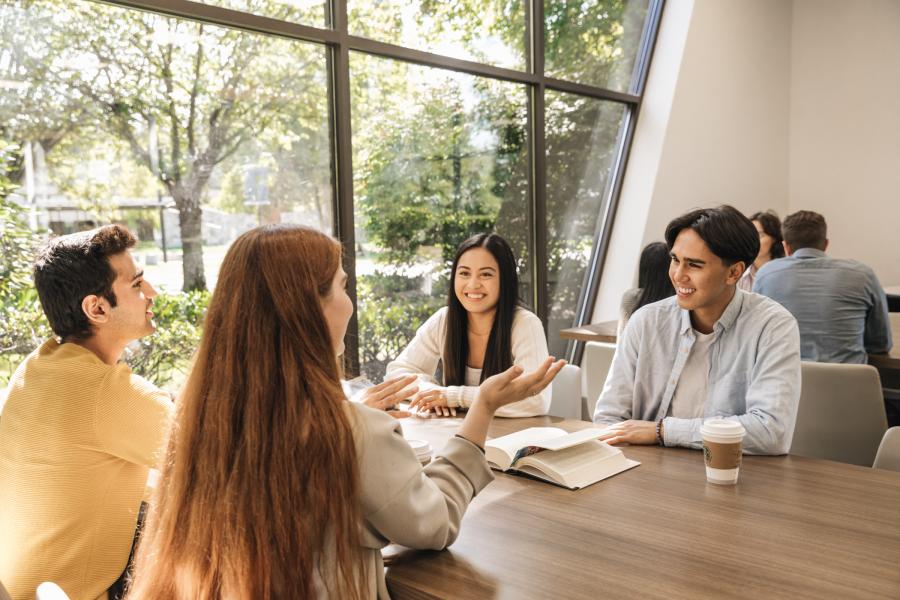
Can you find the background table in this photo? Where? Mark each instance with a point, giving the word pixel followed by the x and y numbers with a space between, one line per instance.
pixel 595 332
pixel 792 528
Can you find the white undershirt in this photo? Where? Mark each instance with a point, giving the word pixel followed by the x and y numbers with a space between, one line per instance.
pixel 473 376
pixel 693 385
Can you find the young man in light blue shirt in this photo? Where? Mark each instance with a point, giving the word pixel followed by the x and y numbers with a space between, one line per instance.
pixel 711 350
pixel 839 304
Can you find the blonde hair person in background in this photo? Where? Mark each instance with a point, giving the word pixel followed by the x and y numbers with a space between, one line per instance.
pixel 275 485
pixel 79 431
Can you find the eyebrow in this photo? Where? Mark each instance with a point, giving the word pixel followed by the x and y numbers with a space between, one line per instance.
pixel 138 275
pixel 699 261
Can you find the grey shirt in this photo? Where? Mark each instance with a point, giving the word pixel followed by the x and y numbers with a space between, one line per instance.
pixel 839 304
pixel 754 372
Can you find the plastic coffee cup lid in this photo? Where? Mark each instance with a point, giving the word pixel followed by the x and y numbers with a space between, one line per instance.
pixel 720 427
pixel 420 447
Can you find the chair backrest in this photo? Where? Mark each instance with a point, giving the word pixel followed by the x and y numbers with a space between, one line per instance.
pixel 595 364
pixel 841 415
pixel 566 394
pixel 888 456
pixel 50 591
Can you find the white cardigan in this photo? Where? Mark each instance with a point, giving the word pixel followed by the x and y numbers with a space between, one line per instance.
pixel 421 357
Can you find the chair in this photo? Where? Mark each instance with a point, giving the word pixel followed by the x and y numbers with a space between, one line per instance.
pixel 50 591
pixel 566 395
pixel 888 456
pixel 595 364
pixel 841 415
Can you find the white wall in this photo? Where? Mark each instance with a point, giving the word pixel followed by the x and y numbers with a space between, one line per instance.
pixel 713 127
pixel 845 126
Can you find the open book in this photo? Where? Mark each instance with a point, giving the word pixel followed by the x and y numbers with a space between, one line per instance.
pixel 573 460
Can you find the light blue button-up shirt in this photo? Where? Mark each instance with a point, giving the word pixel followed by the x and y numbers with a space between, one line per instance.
pixel 839 305
pixel 754 372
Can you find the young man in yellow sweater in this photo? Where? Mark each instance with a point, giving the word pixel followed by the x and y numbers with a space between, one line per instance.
pixel 78 430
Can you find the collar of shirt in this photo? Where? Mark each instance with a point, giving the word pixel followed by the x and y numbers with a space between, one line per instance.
pixel 809 253
pixel 725 321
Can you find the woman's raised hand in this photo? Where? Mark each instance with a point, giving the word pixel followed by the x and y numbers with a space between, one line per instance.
pixel 513 384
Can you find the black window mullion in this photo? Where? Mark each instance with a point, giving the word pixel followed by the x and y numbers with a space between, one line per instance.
pixel 342 171
pixel 538 169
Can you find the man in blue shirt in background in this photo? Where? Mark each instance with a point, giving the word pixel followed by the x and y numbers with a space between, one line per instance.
pixel 839 304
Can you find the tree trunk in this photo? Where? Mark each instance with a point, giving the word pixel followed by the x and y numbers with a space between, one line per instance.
pixel 189 219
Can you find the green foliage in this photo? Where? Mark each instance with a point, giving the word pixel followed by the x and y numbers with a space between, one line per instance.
pixel 389 326
pixel 164 356
pixel 24 326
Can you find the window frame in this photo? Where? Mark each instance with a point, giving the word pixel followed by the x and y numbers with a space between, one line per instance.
pixel 339 43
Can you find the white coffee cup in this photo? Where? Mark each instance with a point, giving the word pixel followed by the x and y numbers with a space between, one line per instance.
pixel 722 449
pixel 422 450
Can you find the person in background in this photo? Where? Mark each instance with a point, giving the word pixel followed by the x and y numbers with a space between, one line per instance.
pixel 712 350
pixel 79 431
pixel 839 304
pixel 481 332
pixel 274 484
pixel 770 246
pixel 653 282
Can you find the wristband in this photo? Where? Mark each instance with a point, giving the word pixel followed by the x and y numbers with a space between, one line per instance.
pixel 659 439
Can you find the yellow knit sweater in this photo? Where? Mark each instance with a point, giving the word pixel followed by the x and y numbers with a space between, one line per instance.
pixel 77 437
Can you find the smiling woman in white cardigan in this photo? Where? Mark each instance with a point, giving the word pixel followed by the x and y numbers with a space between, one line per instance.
pixel 481 332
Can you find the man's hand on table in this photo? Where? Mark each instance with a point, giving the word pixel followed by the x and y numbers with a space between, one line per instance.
pixel 631 432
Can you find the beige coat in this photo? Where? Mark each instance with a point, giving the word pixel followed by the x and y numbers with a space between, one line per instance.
pixel 404 503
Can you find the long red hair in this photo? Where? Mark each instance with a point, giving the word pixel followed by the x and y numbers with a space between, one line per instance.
pixel 260 482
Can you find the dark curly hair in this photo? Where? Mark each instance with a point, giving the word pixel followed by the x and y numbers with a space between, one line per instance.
pixel 73 266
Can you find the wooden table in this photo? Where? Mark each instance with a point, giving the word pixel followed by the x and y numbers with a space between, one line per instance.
pixel 596 332
pixel 606 332
pixel 793 527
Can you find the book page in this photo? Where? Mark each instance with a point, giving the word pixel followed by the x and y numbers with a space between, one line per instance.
pixel 500 451
pixel 578 466
pixel 572 439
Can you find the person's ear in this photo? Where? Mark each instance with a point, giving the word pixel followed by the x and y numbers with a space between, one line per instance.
pixel 735 272
pixel 96 309
pixel 826 245
pixel 787 248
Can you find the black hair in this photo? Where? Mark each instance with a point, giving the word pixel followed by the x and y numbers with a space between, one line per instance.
pixel 653 274
pixel 729 234
pixel 771 225
pixel 70 267
pixel 498 356
pixel 805 229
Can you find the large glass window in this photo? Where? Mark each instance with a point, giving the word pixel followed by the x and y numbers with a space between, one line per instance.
pixel 193 129
pixel 438 157
pixel 188 133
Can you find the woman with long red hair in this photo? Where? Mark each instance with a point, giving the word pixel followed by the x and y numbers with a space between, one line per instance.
pixel 275 485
